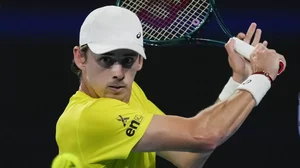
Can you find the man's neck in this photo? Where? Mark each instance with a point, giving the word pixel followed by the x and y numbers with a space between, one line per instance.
pixel 87 90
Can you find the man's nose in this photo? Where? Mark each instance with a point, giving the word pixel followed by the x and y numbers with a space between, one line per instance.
pixel 118 71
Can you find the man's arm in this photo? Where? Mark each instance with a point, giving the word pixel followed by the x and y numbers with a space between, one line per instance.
pixel 202 133
pixel 213 125
pixel 240 73
pixel 188 159
pixel 182 159
pixel 198 159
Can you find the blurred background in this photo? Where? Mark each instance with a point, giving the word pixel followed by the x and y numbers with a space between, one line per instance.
pixel 36 42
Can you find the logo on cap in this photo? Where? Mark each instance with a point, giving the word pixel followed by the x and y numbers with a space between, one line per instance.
pixel 138 35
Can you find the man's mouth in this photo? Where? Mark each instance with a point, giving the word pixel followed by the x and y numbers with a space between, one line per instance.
pixel 116 87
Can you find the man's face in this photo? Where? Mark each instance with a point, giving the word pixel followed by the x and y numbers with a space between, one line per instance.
pixel 111 75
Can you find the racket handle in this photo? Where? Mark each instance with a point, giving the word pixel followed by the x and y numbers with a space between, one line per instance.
pixel 246 49
pixel 243 48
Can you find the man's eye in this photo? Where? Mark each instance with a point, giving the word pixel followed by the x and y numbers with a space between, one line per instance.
pixel 106 60
pixel 127 60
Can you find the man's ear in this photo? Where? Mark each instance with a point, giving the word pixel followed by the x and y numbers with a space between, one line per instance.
pixel 140 63
pixel 79 58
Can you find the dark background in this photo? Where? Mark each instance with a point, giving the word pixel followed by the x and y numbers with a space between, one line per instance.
pixel 36 41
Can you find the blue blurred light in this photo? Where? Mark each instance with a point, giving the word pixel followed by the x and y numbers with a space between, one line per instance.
pixel 67 23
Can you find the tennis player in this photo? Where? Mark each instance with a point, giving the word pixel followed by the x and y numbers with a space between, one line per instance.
pixel 109 122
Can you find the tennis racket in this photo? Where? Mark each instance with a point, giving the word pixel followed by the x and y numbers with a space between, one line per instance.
pixel 177 22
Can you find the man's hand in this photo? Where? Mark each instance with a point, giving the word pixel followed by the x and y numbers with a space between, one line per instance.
pixel 266 60
pixel 241 67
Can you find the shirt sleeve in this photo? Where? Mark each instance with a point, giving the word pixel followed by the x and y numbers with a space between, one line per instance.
pixel 151 107
pixel 109 129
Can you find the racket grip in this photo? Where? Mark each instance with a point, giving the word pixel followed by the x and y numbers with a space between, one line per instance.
pixel 243 48
pixel 246 49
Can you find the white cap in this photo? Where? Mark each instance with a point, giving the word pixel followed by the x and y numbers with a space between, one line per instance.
pixel 110 28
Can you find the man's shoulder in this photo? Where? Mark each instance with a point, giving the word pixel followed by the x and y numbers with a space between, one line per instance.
pixel 84 103
pixel 138 91
pixel 136 87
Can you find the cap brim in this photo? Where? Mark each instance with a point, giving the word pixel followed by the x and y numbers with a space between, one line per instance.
pixel 106 47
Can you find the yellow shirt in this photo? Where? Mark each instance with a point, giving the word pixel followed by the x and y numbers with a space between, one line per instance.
pixel 102 132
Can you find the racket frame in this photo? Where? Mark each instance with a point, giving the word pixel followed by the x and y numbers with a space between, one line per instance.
pixel 191 38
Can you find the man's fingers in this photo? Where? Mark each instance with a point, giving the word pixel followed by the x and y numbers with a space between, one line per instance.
pixel 229 46
pixel 256 37
pixel 259 48
pixel 241 36
pixel 250 32
pixel 272 51
pixel 265 43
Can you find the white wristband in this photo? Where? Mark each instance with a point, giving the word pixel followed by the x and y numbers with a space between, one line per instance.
pixel 258 85
pixel 228 89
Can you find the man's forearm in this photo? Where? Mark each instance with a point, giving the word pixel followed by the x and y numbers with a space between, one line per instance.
pixel 219 121
pixel 185 159
pixel 236 124
pixel 224 118
pixel 197 160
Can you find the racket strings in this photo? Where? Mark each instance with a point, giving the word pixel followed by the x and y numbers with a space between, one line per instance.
pixel 157 29
pixel 135 5
pixel 153 14
pixel 174 29
pixel 192 18
pixel 168 19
